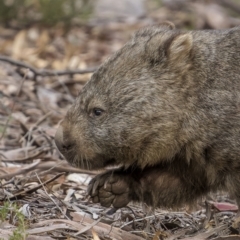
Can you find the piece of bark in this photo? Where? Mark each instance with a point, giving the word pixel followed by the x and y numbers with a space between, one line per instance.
pixel 103 229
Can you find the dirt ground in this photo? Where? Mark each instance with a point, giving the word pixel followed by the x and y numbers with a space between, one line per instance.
pixel 41 72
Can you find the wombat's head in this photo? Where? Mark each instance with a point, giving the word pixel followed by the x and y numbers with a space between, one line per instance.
pixel 130 112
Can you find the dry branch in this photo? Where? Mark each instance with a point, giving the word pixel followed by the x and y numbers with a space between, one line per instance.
pixel 45 72
pixel 27 159
pixel 50 165
pixel 21 171
pixel 103 229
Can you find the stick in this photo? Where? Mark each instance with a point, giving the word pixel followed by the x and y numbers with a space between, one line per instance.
pixel 45 72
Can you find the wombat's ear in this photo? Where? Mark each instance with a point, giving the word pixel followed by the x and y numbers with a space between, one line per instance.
pixel 180 47
pixel 166 25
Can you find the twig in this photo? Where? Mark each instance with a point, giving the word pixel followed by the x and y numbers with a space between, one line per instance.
pixel 45 72
pixel 140 219
pixel 36 155
pixel 31 190
pixel 54 221
pixel 22 171
pixel 88 227
pixel 48 166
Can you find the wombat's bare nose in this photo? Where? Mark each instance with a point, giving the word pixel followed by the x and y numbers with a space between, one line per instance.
pixel 63 144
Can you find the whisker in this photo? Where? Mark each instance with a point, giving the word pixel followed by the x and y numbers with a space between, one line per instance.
pixel 87 162
pixel 82 161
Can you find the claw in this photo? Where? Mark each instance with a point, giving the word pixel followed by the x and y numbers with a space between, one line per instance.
pixel 95 199
pixel 119 188
pixel 105 184
pixel 121 201
pixel 89 189
pixel 107 202
pixel 94 188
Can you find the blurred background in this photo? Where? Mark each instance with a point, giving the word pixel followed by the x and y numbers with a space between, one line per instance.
pixel 62 34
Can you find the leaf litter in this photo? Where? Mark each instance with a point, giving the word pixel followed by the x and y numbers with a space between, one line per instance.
pixel 41 72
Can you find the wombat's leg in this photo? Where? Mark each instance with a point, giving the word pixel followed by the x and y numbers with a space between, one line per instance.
pixel 156 187
pixel 163 188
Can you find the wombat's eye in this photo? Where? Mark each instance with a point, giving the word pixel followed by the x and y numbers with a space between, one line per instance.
pixel 97 112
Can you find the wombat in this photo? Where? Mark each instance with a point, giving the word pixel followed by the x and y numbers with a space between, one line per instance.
pixel 165 111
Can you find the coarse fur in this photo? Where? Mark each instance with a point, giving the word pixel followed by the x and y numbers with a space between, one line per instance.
pixel 168 113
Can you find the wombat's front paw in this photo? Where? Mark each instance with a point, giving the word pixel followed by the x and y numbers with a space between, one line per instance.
pixel 110 189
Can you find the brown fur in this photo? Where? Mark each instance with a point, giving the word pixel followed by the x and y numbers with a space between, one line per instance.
pixel 169 117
